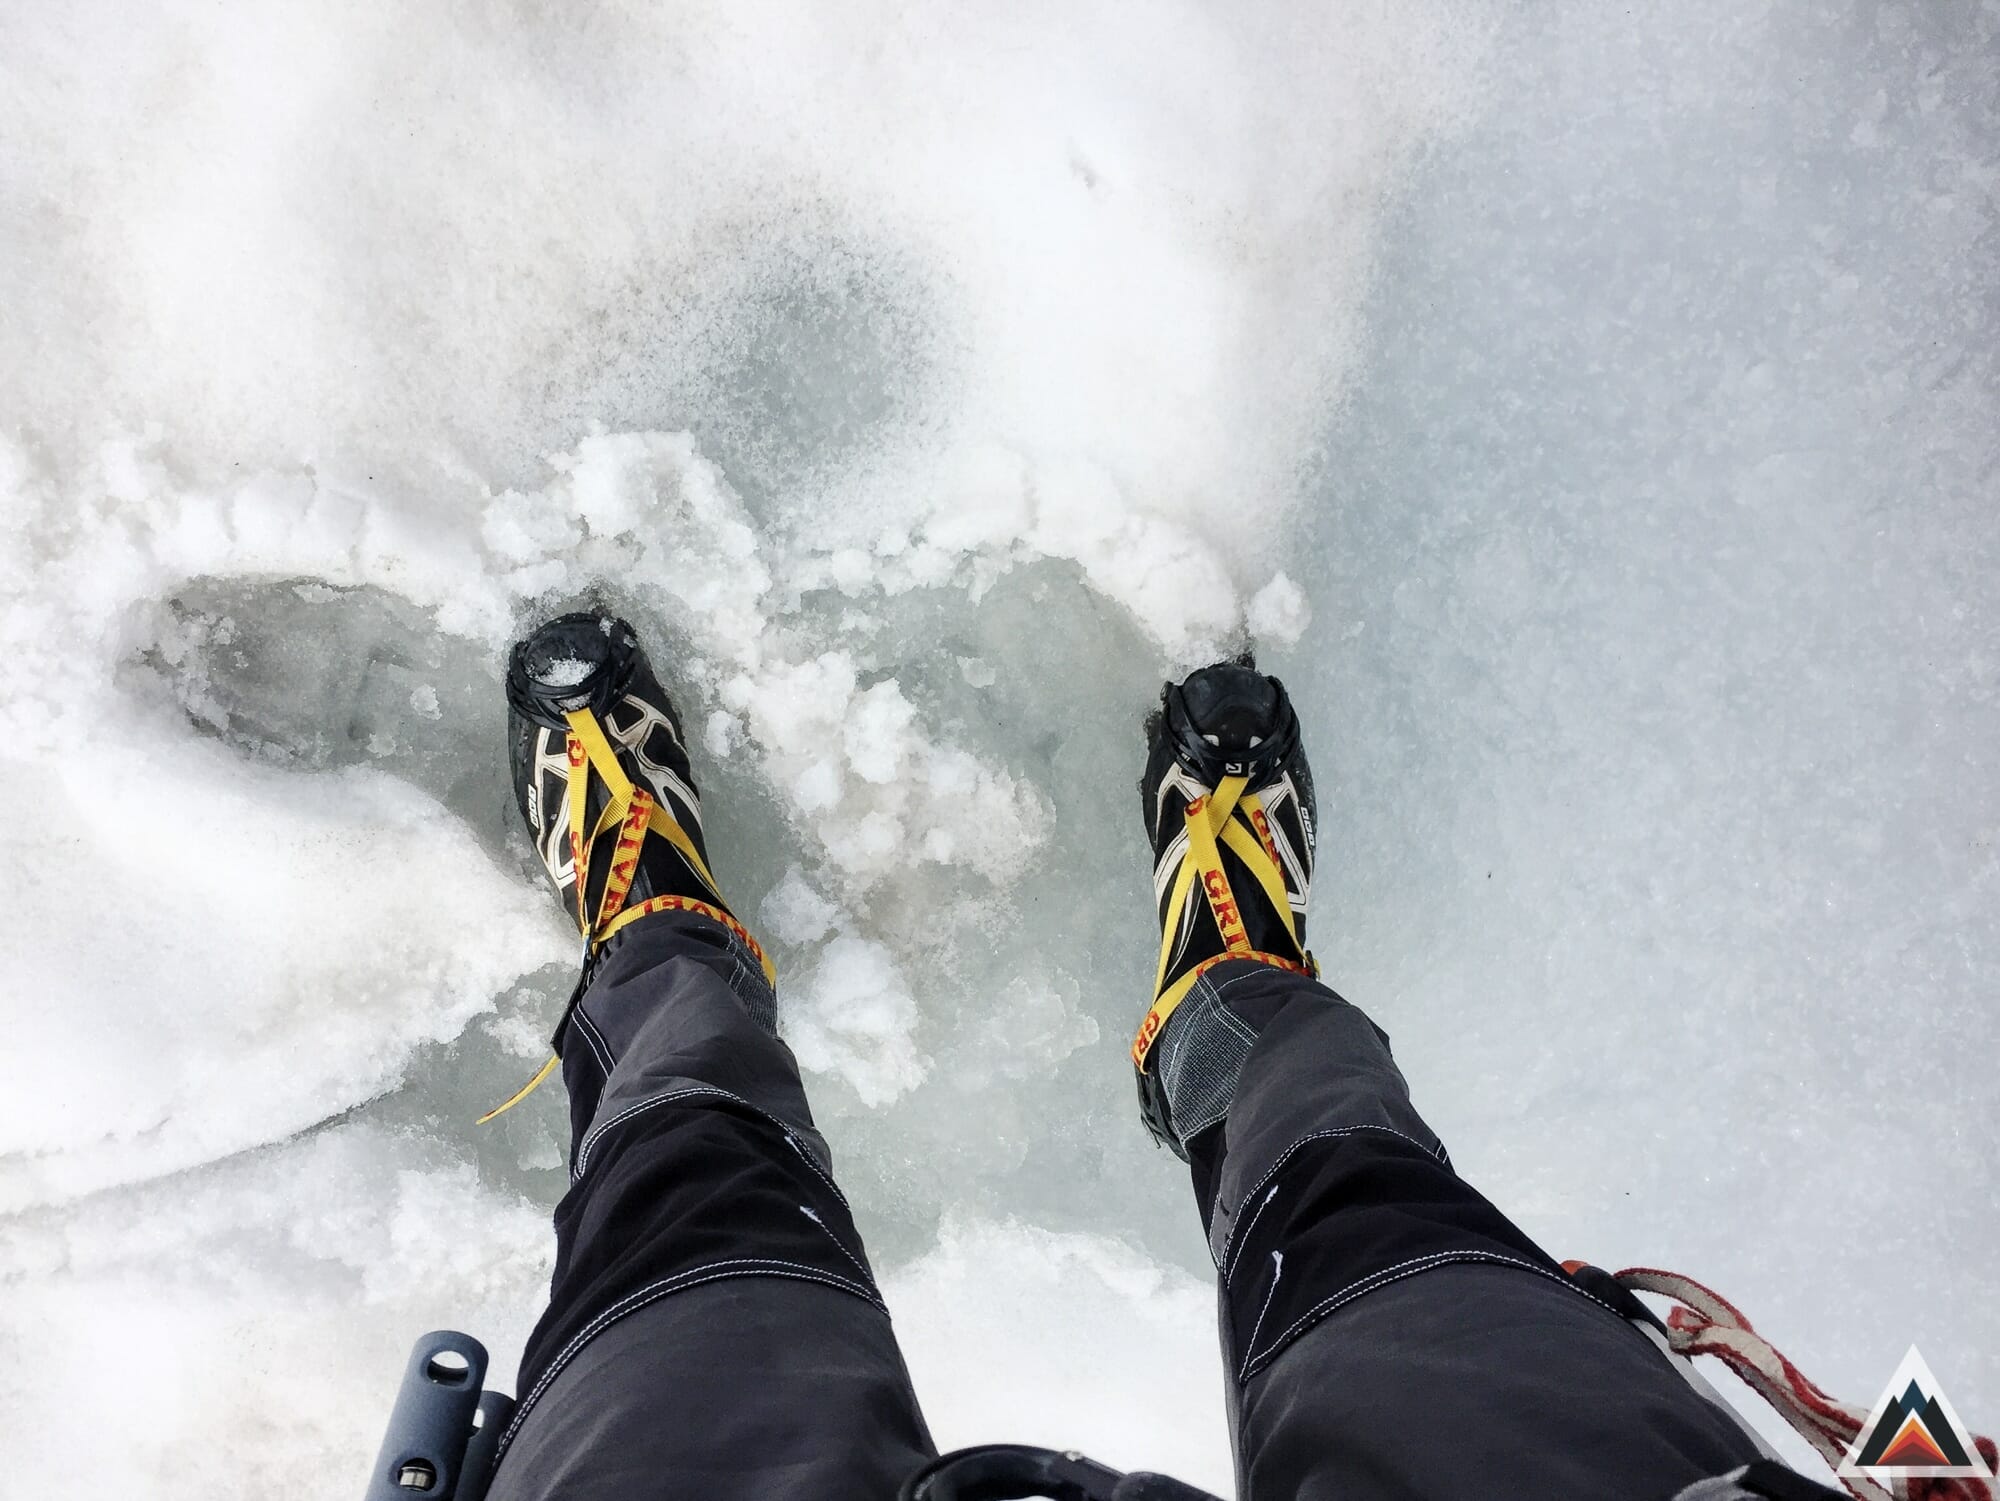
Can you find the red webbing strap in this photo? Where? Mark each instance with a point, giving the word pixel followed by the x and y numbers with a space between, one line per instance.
pixel 1703 1322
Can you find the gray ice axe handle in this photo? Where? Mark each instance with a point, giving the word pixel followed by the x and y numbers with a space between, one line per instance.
pixel 444 1428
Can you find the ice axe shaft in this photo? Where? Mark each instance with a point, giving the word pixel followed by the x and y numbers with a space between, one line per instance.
pixel 444 1428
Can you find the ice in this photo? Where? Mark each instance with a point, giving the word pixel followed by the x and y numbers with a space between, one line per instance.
pixel 1148 1385
pixel 1591 414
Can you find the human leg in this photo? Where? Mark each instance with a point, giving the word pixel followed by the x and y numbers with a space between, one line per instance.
pixel 1387 1331
pixel 713 1327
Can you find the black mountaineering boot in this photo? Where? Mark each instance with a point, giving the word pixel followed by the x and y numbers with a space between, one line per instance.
pixel 1228 802
pixel 601 774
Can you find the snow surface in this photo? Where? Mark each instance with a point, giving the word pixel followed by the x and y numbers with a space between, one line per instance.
pixel 1592 414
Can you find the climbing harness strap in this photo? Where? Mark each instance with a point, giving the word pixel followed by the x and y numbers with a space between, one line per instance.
pixel 1233 819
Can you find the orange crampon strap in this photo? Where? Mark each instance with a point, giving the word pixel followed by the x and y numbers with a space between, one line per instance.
pixel 672 903
pixel 1227 818
pixel 635 813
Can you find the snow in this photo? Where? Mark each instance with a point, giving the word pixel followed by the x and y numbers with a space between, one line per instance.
pixel 851 1015
pixel 1278 613
pixel 565 672
pixel 1130 1315
pixel 794 913
pixel 1590 415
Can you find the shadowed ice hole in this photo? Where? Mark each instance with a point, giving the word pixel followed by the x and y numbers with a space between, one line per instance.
pixel 1040 676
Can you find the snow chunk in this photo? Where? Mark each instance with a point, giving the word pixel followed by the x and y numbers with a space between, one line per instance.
pixel 878 733
pixel 852 1015
pixel 1032 1024
pixel 720 734
pixel 521 528
pixel 1278 613
pixel 565 672
pixel 795 913
pixel 817 788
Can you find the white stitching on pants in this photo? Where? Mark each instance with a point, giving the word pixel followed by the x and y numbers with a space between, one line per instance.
pixel 626 1304
pixel 859 1264
pixel 746 980
pixel 1259 972
pixel 1235 1023
pixel 1383 1278
pixel 1205 999
pixel 592 1043
pixel 1277 1271
pixel 703 1091
pixel 1229 1250
pixel 1221 1006
pixel 813 1163
pixel 1243 1238
pixel 708 1272
pixel 599 1043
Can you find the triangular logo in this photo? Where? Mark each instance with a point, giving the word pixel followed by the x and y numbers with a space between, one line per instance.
pixel 1913 1433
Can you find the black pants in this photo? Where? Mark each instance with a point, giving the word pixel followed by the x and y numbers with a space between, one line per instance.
pixel 714 1332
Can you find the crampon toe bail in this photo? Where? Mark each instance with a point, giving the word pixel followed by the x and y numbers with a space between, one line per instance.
pixel 1230 720
pixel 575 662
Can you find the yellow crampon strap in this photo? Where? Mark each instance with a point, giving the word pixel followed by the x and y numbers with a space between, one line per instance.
pixel 624 860
pixel 1227 817
pixel 635 809
pixel 522 1093
pixel 635 813
pixel 587 735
